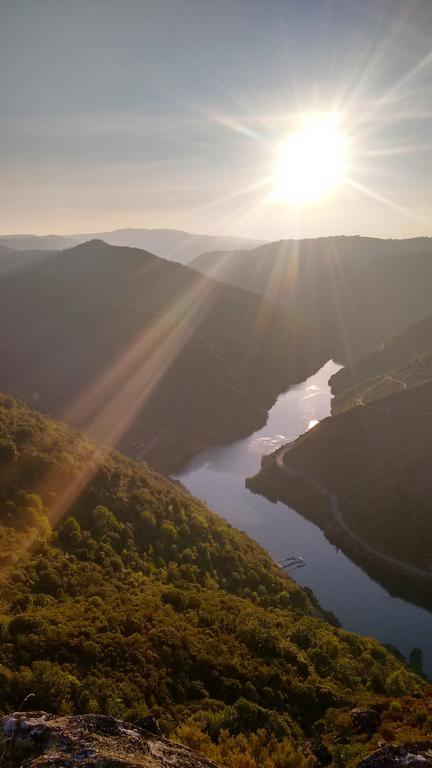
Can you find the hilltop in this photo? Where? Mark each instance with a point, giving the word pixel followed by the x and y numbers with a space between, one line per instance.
pixel 144 353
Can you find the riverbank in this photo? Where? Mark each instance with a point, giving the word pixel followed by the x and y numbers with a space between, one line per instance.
pixel 277 481
pixel 364 600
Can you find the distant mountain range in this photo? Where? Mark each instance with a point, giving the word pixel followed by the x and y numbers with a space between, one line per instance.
pixel 143 352
pixel 36 242
pixel 354 292
pixel 173 244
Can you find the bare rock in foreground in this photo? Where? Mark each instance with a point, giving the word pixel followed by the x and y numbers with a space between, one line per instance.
pixel 40 740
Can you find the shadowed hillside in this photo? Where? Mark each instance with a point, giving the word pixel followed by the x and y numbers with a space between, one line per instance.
pixel 354 291
pixel 365 476
pixel 400 362
pixel 145 353
pixel 13 261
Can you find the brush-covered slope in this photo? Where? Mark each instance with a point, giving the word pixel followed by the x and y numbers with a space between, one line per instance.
pixel 143 352
pixel 121 594
pixel 354 291
pixel 402 361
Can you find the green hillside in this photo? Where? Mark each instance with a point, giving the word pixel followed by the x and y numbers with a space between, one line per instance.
pixel 122 594
pixel 144 353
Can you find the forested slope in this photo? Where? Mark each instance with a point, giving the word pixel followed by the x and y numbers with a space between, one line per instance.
pixel 122 594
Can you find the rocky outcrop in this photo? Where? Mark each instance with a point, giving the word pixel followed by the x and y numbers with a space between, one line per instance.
pixel 414 755
pixel 40 740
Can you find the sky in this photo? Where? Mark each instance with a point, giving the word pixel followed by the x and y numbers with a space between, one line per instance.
pixel 169 113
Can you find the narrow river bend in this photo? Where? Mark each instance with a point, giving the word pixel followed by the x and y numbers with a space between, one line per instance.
pixel 218 477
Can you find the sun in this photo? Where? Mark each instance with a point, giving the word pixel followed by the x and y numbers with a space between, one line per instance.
pixel 311 162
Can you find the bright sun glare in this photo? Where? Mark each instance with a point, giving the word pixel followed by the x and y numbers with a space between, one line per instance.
pixel 311 162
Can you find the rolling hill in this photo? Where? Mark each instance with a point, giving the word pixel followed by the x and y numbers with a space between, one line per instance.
pixel 145 353
pixel 123 595
pixel 354 291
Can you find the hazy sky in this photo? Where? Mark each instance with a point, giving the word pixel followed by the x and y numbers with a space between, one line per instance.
pixel 158 113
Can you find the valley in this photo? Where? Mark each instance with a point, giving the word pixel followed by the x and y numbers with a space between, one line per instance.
pixel 202 380
pixel 364 473
pixel 215 384
pixel 343 587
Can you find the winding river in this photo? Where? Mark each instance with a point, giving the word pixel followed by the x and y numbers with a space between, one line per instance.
pixel 361 604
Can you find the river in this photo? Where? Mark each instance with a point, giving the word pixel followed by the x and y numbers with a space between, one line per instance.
pixel 218 477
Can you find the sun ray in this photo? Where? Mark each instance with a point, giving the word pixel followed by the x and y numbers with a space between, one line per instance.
pixel 385 200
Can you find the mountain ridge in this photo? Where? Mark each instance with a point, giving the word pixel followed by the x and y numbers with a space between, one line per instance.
pixel 173 244
pixel 353 291
pixel 101 335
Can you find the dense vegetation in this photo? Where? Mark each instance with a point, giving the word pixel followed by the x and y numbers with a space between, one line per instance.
pixel 144 352
pixel 122 594
pixel 353 291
